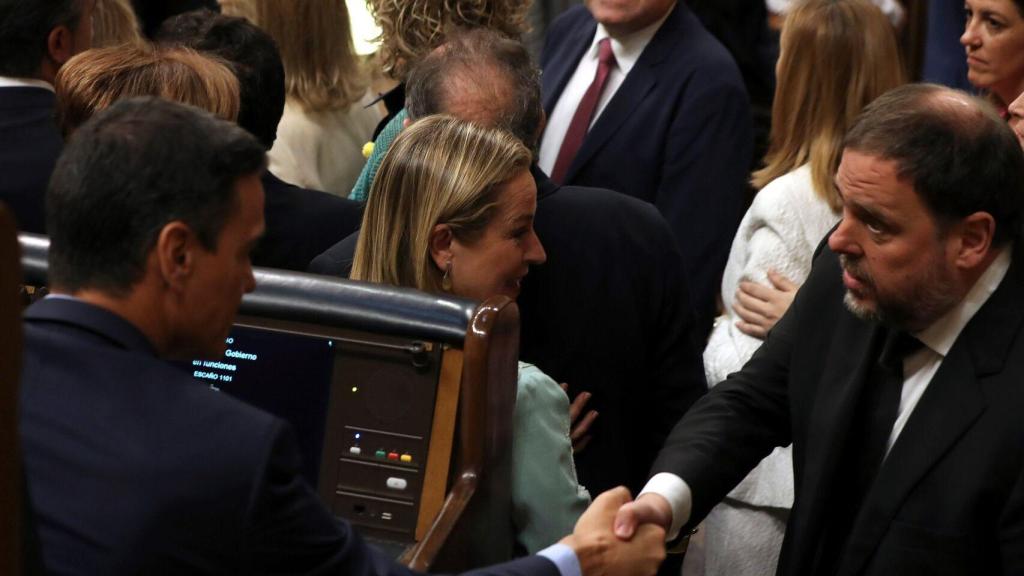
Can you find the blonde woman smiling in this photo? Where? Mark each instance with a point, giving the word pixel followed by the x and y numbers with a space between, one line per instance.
pixel 451 210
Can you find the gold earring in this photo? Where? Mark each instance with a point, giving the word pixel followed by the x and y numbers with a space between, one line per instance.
pixel 446 280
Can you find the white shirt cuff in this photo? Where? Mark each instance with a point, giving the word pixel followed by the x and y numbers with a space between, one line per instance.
pixel 677 492
pixel 564 558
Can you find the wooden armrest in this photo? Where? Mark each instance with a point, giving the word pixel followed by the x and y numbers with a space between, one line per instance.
pixel 421 555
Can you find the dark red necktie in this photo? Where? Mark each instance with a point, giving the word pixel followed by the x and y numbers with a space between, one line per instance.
pixel 584 112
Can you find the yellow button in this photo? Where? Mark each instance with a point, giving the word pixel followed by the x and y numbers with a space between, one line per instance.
pixel 406 458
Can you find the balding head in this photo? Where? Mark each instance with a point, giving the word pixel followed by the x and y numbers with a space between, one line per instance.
pixel 953 148
pixel 482 77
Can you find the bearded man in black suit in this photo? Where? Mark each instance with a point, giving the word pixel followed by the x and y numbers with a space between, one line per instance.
pixel 896 373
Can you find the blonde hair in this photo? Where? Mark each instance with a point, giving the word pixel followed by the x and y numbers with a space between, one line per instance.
pixel 114 23
pixel 412 28
pixel 322 69
pixel 837 56
pixel 440 170
pixel 95 79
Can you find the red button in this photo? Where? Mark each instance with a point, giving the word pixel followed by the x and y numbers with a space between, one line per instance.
pixel 392 455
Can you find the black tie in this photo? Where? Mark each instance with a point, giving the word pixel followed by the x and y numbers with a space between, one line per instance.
pixel 866 443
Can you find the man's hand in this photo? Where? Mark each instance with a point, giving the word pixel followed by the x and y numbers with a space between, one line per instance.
pixel 580 429
pixel 649 508
pixel 760 307
pixel 602 554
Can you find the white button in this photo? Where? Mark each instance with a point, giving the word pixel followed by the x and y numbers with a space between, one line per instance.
pixel 355 450
pixel 396 483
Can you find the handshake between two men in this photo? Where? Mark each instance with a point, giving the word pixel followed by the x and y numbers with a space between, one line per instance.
pixel 617 537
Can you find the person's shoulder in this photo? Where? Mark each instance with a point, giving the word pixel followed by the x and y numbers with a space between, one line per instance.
pixel 792 199
pixel 319 205
pixel 336 260
pixel 605 213
pixel 696 50
pixel 576 16
pixel 792 187
pixel 534 383
pixel 149 399
pixel 601 201
pixel 694 37
pixel 22 97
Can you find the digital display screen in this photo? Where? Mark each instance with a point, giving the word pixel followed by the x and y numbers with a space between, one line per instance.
pixel 286 374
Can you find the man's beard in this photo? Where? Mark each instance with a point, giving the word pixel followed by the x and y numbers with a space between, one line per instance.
pixel 913 309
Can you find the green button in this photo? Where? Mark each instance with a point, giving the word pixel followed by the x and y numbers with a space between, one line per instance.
pixel 381 454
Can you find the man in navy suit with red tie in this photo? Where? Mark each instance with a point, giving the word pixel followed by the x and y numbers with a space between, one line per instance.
pixel 641 99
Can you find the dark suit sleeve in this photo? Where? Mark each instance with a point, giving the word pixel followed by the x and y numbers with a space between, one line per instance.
pixel 739 421
pixel 1011 531
pixel 704 180
pixel 678 365
pixel 291 532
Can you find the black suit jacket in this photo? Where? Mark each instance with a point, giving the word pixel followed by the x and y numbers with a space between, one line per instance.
pixel 301 224
pixel 949 498
pixel 677 134
pixel 608 313
pixel 136 468
pixel 29 146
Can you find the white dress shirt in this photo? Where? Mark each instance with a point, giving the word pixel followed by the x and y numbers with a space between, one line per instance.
pixel 9 82
pixel 918 370
pixel 627 50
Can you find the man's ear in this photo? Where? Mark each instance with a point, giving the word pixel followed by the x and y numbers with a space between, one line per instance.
pixel 60 45
pixel 406 122
pixel 441 245
pixel 976 234
pixel 176 254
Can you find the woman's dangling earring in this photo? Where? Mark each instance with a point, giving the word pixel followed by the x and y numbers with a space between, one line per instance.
pixel 446 280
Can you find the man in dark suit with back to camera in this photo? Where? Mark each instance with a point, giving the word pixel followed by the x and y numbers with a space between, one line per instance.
pixel 642 100
pixel 898 371
pixel 134 467
pixel 301 223
pixel 609 312
pixel 36 38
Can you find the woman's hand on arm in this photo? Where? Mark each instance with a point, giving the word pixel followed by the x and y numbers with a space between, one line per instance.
pixel 579 427
pixel 760 307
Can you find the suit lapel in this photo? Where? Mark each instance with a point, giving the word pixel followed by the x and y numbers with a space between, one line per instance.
pixel 850 359
pixel 638 84
pixel 947 410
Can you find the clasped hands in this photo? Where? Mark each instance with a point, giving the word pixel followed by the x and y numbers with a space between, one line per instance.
pixel 617 536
